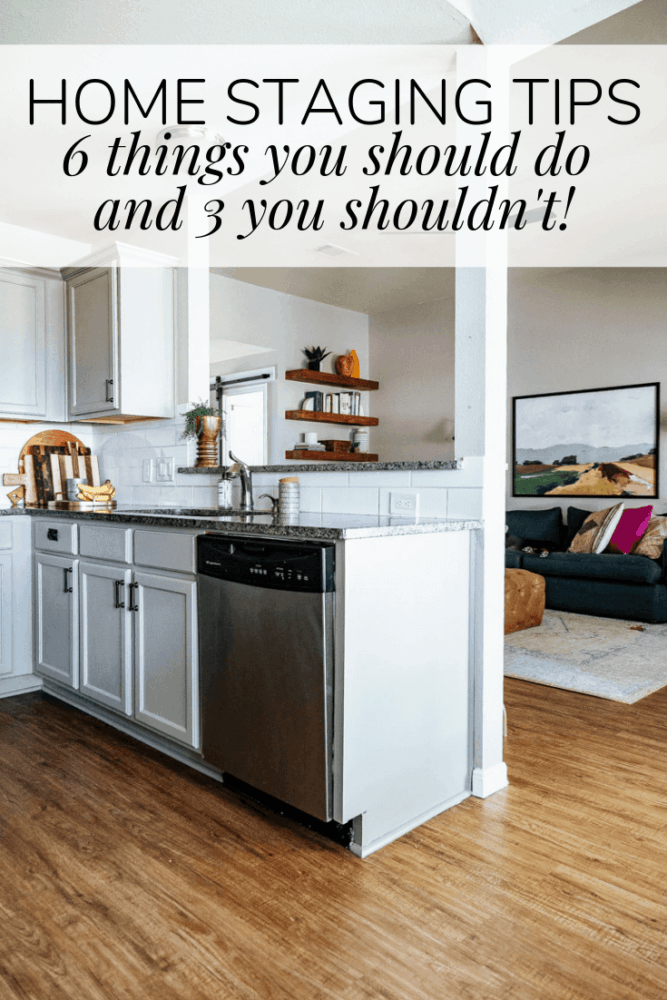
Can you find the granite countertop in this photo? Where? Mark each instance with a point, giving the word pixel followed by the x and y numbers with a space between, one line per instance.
pixel 315 526
pixel 331 466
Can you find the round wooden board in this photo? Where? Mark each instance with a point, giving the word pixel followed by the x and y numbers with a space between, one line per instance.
pixel 52 438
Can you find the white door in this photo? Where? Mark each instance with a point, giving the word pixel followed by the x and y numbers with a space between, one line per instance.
pixel 106 635
pixel 22 345
pixel 57 618
pixel 165 656
pixel 92 304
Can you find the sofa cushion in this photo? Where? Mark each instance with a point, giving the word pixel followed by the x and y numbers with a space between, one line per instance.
pixel 575 517
pixel 513 559
pixel 537 525
pixel 630 529
pixel 620 569
pixel 652 541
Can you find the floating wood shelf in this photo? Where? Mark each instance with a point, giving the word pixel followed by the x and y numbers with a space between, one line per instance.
pixel 331 418
pixel 329 378
pixel 331 456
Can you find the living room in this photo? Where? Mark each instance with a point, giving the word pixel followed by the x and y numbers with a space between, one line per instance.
pixel 603 631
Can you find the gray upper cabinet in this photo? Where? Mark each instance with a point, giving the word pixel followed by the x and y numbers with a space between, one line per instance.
pixel 93 341
pixel 121 342
pixel 32 345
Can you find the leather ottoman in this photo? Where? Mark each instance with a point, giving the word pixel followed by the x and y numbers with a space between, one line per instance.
pixel 524 599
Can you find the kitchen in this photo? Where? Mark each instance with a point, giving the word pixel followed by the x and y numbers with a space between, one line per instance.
pixel 114 597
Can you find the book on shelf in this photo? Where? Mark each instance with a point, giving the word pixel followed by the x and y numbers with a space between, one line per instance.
pixel 317 398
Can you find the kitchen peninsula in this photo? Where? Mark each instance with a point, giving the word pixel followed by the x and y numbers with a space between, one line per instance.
pixel 115 612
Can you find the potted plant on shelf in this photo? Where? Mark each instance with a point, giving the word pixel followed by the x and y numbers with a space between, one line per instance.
pixel 203 423
pixel 316 356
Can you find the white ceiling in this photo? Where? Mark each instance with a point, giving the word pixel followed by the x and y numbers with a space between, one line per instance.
pixel 221 22
pixel 377 22
pixel 366 290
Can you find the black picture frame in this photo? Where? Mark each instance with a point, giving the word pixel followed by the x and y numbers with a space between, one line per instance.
pixel 553 472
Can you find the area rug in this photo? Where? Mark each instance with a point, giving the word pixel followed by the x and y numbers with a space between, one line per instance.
pixel 606 657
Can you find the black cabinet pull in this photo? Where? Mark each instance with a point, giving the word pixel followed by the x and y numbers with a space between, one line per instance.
pixel 117 585
pixel 131 606
pixel 52 534
pixel 109 399
pixel 66 588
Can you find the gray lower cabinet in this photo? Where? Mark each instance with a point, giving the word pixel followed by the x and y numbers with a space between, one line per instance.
pixel 165 656
pixel 106 634
pixel 57 614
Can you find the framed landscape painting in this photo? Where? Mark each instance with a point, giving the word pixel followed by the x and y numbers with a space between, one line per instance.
pixel 589 443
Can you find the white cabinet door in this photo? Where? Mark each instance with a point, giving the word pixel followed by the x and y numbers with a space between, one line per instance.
pixel 92 317
pixel 6 618
pixel 165 656
pixel 106 635
pixel 22 345
pixel 57 618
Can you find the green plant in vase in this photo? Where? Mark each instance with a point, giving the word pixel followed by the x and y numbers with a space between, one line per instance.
pixel 316 356
pixel 203 423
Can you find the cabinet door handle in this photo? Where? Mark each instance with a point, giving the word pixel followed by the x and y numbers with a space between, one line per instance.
pixel 67 589
pixel 131 606
pixel 109 382
pixel 117 585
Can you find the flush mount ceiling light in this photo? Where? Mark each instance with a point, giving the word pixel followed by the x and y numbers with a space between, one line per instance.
pixel 331 250
pixel 190 133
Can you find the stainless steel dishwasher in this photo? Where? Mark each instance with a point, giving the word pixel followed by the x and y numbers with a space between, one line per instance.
pixel 266 665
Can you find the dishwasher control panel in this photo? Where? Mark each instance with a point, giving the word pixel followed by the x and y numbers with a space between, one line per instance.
pixel 305 567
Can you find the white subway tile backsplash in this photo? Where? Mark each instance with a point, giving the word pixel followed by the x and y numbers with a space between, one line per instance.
pixel 204 496
pixel 379 479
pixel 465 503
pixel 321 479
pixel 432 502
pixel 311 499
pixel 350 500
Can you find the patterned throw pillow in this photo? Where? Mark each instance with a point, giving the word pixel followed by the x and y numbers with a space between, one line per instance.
pixel 651 542
pixel 597 529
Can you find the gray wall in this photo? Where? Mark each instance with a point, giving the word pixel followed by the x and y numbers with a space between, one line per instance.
pixel 412 357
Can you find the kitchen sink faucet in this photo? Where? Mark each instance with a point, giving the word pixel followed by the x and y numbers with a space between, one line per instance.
pixel 241 471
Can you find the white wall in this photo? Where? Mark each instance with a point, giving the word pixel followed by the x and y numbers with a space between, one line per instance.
pixel 412 357
pixel 283 325
pixel 587 328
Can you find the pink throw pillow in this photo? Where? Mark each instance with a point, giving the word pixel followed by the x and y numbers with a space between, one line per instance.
pixel 634 522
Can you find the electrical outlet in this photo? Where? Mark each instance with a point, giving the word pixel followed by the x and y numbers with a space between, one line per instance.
pixel 404 504
pixel 147 470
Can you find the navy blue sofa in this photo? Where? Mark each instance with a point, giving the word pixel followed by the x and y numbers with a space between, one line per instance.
pixel 612 586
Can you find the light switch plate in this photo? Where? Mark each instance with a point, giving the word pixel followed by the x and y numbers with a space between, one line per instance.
pixel 404 504
pixel 147 470
pixel 164 470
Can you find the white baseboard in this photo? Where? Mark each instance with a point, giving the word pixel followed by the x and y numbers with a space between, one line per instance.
pixel 487 781
pixel 10 686
pixel 363 850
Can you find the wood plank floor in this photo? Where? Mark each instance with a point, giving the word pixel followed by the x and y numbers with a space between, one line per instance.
pixel 125 875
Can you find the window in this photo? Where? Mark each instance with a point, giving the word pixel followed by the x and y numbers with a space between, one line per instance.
pixel 244 415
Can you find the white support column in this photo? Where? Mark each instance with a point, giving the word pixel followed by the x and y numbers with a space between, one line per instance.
pixel 481 406
pixel 480 429
pixel 193 311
